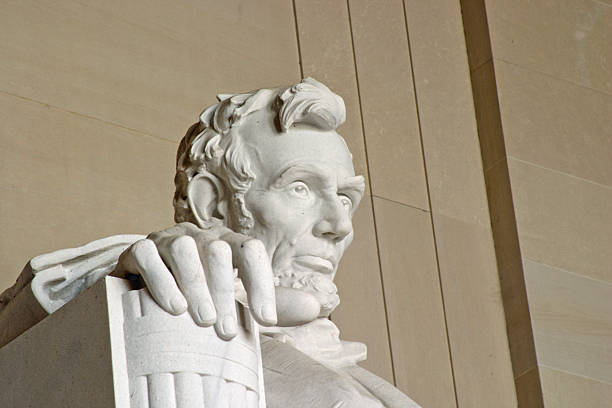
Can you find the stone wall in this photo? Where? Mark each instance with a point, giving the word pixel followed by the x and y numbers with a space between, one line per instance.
pixel 481 134
pixel 550 65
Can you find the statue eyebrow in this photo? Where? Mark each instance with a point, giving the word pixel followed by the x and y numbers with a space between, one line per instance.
pixel 352 183
pixel 299 171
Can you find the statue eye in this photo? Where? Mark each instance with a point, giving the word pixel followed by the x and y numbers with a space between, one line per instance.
pixel 300 189
pixel 346 202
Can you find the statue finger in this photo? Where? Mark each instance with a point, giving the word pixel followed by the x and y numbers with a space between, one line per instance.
pixel 255 270
pixel 143 259
pixel 217 257
pixel 182 256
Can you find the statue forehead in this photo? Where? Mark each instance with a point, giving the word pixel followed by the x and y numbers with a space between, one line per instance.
pixel 269 147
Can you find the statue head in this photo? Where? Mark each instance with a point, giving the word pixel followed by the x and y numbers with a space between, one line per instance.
pixel 270 164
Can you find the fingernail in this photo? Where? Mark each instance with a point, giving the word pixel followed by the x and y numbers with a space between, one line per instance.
pixel 229 325
pixel 206 314
pixel 178 305
pixel 268 312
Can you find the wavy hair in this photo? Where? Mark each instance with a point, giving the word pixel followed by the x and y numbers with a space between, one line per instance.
pixel 214 144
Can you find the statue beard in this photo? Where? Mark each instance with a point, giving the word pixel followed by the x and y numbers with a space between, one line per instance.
pixel 318 285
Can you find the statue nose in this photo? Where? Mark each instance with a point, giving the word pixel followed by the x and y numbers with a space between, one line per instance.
pixel 335 223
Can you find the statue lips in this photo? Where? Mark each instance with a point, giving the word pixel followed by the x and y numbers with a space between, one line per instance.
pixel 315 263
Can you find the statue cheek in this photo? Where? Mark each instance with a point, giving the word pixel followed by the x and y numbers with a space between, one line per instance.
pixel 275 212
pixel 260 206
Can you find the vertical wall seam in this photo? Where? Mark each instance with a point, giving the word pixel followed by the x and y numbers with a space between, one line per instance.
pixel 365 144
pixel 297 37
pixel 492 109
pixel 435 241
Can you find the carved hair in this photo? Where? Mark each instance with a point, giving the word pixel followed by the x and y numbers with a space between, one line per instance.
pixel 214 143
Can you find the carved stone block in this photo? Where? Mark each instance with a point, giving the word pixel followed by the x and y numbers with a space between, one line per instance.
pixel 114 347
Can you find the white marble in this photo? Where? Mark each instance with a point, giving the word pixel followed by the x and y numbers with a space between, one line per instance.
pixel 73 358
pixel 265 195
pixel 116 347
pixel 170 358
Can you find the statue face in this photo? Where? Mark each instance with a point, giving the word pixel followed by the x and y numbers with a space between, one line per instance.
pixel 302 201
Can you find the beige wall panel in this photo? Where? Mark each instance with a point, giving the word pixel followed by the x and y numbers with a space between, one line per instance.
pixel 414 304
pixel 503 220
pixel 446 111
pixel 148 66
pixel 474 314
pixel 69 179
pixel 471 288
pixel 556 124
pixel 568 39
pixel 552 69
pixel 571 318
pixel 563 221
pixel 361 314
pixel 327 54
pixel 387 99
pixel 564 390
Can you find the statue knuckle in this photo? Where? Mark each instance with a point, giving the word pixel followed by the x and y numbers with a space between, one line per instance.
pixel 219 249
pixel 252 247
pixel 143 248
pixel 182 246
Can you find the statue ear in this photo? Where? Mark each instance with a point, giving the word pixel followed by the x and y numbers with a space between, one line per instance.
pixel 206 198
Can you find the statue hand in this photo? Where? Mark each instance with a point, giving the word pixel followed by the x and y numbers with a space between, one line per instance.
pixel 186 267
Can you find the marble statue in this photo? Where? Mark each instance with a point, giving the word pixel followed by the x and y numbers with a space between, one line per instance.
pixel 265 194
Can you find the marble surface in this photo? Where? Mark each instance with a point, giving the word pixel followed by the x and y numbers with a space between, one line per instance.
pixel 265 195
